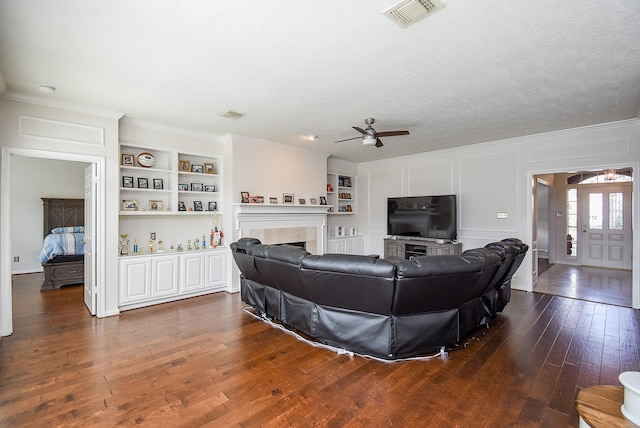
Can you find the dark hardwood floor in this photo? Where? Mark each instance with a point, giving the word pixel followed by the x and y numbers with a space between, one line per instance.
pixel 206 362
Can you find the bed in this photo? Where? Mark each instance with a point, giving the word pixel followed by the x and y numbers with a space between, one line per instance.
pixel 62 255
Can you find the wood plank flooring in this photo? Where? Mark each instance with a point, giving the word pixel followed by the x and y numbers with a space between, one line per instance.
pixel 206 362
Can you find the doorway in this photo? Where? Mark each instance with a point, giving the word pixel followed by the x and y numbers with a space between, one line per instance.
pixel 8 154
pixel 589 256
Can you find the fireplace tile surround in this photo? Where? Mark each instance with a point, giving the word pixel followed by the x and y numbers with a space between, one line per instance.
pixel 280 224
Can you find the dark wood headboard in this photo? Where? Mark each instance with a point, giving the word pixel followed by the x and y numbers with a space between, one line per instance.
pixel 62 213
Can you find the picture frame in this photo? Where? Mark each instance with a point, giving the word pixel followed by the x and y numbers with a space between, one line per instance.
pixel 197 205
pixel 273 200
pixel 313 201
pixel 143 183
pixel 209 168
pixel 256 199
pixel 196 187
pixel 244 197
pixel 183 187
pixel 127 182
pixel 212 206
pixel 158 183
pixel 287 198
pixel 184 165
pixel 181 206
pixel 129 205
pixel 128 159
pixel 197 168
pixel 302 201
pixel 156 205
pixel 323 200
pixel 209 188
pixel 347 182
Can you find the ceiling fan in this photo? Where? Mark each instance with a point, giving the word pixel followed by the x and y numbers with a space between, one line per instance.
pixel 372 138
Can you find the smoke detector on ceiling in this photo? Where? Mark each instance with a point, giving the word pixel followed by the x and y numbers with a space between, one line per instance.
pixel 407 12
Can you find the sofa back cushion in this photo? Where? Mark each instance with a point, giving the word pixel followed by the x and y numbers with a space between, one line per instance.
pixel 435 283
pixel 242 251
pixel 360 283
pixel 279 267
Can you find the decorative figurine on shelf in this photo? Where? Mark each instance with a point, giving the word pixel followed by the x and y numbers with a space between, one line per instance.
pixel 196 243
pixel 204 241
pixel 135 245
pixel 179 247
pixel 188 244
pixel 150 246
pixel 160 247
pixel 124 243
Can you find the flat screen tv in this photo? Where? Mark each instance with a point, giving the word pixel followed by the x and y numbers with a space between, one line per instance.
pixel 431 217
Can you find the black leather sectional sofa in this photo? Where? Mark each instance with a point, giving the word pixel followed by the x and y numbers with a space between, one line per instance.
pixel 371 306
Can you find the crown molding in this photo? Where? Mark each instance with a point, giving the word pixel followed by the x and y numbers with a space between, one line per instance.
pixel 60 104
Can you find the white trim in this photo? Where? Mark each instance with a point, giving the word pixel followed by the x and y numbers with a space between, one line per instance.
pixel 6 298
pixel 64 105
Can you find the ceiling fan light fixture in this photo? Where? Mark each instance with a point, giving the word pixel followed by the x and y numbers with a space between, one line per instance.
pixel 369 140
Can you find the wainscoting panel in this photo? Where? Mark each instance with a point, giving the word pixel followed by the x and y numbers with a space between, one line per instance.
pixel 29 126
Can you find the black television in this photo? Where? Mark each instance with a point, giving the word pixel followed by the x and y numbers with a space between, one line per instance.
pixel 430 217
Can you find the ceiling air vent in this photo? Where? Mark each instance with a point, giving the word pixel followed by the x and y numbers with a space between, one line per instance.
pixel 407 12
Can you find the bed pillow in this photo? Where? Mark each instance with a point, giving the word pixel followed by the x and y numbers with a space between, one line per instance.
pixel 72 229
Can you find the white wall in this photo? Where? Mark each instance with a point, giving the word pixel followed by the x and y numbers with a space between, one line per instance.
pixel 41 128
pixel 33 179
pixel 496 177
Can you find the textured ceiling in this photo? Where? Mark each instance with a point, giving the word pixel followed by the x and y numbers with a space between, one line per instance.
pixel 475 71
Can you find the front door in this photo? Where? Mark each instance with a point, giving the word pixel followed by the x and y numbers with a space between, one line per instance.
pixel 606 233
pixel 90 270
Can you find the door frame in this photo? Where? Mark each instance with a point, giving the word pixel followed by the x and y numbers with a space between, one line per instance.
pixel 635 258
pixel 6 295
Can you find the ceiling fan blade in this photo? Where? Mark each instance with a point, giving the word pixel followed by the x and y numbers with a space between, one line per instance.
pixel 391 133
pixel 360 130
pixel 348 139
pixel 379 143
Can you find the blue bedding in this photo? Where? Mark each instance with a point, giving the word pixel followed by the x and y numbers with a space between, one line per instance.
pixel 62 244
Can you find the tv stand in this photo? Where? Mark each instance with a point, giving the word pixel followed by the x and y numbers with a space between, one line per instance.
pixel 405 248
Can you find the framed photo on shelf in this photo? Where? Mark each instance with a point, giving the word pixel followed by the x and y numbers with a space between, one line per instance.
pixel 256 199
pixel 323 200
pixel 273 200
pixel 128 159
pixel 129 205
pixel 143 183
pixel 313 201
pixel 156 206
pixel 197 168
pixel 196 187
pixel 213 206
pixel 347 182
pixel 197 205
pixel 302 201
pixel 127 182
pixel 209 168
pixel 183 187
pixel 244 197
pixel 158 184
pixel 287 198
pixel 181 206
pixel 184 165
pixel 209 188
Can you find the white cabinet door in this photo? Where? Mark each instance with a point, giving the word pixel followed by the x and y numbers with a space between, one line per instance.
pixel 215 269
pixel 164 276
pixel 192 277
pixel 354 245
pixel 135 279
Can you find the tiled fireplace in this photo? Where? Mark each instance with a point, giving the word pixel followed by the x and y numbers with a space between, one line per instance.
pixel 281 224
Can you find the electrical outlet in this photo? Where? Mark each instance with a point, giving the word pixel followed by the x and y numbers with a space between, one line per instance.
pixel 153 236
pixel 16 259
pixel 501 215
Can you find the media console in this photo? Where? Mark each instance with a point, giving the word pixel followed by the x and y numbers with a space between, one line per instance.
pixel 404 248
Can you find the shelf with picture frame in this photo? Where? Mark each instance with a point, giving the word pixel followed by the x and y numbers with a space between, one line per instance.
pixel 341 193
pixel 155 180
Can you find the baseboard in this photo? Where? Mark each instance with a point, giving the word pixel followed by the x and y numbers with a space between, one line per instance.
pixel 20 272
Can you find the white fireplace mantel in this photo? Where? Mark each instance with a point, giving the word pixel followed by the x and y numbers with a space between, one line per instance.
pixel 282 216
